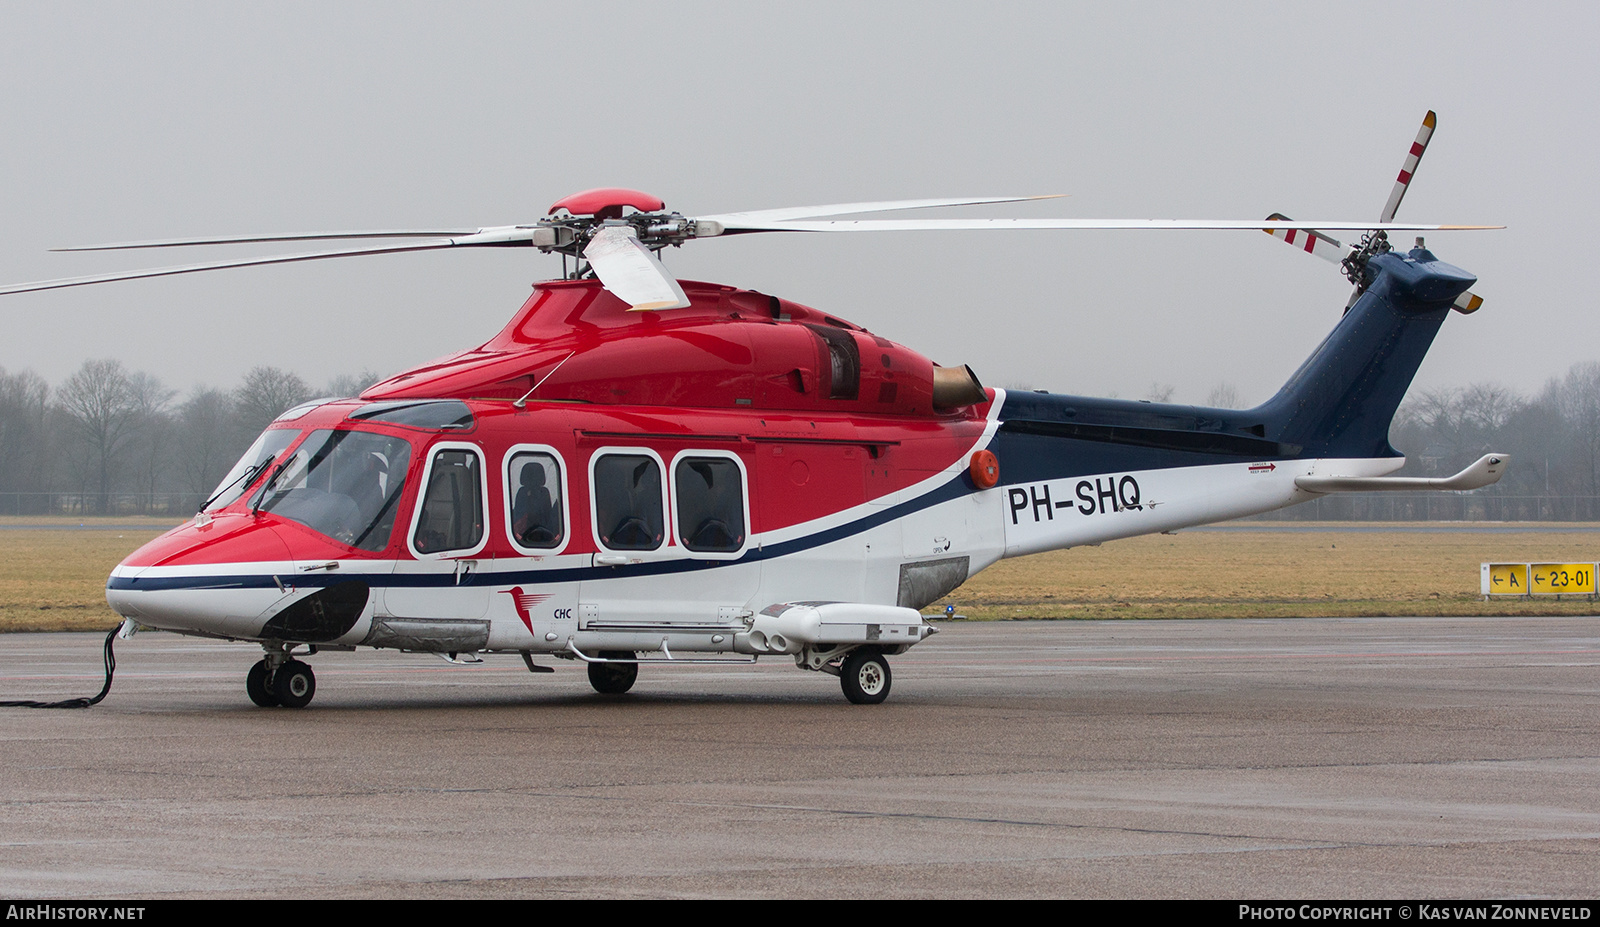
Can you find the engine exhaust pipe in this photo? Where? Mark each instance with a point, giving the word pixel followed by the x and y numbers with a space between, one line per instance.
pixel 954 387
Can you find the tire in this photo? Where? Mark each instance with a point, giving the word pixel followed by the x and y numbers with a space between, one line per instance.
pixel 613 678
pixel 255 685
pixel 294 684
pixel 865 677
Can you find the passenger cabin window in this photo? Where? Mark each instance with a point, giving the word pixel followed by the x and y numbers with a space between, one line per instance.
pixel 451 517
pixel 709 492
pixel 533 481
pixel 627 502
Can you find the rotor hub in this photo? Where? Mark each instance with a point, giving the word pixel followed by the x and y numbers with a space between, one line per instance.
pixel 607 202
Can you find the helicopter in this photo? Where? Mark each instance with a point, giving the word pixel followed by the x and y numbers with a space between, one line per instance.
pixel 643 470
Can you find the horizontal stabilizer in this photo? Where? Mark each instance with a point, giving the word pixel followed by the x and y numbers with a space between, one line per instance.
pixel 1485 471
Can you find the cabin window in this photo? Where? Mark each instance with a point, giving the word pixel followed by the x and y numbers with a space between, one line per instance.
pixel 533 484
pixel 627 502
pixel 451 515
pixel 342 484
pixel 709 495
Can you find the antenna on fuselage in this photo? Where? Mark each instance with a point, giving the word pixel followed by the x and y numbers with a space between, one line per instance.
pixel 523 402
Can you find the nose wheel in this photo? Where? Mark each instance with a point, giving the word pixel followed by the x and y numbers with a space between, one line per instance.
pixel 255 684
pixel 291 685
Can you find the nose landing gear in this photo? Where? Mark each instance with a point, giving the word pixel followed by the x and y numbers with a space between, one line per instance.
pixel 257 686
pixel 280 680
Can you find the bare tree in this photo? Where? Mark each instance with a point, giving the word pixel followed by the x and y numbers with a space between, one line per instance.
pixel 1579 399
pixel 208 439
pixel 1223 396
pixel 265 393
pixel 24 439
pixel 1488 406
pixel 1160 392
pixel 352 384
pixel 153 427
pixel 100 403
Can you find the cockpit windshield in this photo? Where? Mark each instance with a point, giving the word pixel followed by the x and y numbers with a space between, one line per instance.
pixel 343 484
pixel 260 455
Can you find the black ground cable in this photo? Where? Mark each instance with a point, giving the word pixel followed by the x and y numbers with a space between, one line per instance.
pixel 111 667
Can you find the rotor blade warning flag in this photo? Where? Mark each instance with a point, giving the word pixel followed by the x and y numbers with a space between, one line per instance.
pixel 1504 579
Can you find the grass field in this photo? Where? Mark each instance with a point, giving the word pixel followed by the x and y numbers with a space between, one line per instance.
pixel 54 578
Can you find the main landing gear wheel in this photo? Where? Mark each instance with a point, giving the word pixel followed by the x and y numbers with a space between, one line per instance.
pixel 294 684
pixel 613 678
pixel 256 685
pixel 865 677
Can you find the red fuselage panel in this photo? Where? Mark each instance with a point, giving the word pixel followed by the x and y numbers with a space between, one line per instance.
pixel 730 349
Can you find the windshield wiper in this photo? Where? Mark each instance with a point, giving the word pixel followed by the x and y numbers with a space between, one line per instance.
pixel 247 477
pixel 261 497
pixel 378 519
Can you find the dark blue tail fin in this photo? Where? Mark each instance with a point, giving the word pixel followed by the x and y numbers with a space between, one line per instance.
pixel 1342 399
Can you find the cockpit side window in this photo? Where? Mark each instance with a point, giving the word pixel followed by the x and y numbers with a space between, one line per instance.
pixel 345 485
pixel 628 502
pixel 451 517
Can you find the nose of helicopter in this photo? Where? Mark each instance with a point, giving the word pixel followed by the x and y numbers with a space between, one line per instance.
pixel 214 577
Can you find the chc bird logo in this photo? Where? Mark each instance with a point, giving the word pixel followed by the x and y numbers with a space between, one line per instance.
pixel 525 601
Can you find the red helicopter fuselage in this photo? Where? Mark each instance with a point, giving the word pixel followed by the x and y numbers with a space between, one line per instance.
pixel 691 467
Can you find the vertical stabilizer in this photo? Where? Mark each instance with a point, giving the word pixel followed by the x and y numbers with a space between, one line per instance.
pixel 1342 399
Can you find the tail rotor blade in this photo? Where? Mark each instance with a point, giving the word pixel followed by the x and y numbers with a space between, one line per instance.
pixel 1413 158
pixel 1310 241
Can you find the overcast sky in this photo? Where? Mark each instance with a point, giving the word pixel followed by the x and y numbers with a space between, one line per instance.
pixel 124 121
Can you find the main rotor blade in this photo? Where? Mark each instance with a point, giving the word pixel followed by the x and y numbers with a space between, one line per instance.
pixel 248 239
pixel 949 225
pixel 740 220
pixel 631 272
pixel 1413 158
pixel 500 237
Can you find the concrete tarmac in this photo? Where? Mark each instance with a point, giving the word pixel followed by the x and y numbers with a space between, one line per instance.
pixel 1427 758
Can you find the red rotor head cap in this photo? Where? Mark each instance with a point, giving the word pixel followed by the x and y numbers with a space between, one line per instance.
pixel 607 202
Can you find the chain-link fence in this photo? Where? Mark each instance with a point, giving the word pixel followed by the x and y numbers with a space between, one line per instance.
pixel 1440 506
pixel 163 504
